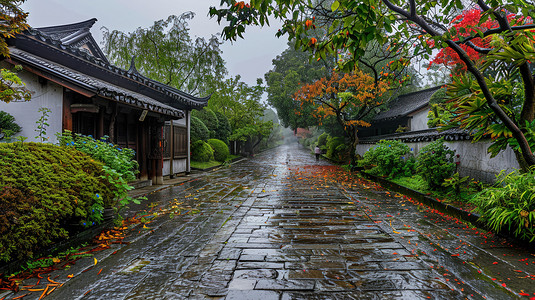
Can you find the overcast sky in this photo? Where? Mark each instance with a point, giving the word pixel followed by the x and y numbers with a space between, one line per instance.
pixel 251 58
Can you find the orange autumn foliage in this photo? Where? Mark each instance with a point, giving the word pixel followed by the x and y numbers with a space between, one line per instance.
pixel 359 92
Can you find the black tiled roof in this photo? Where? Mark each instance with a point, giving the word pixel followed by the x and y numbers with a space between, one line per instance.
pixel 100 87
pixel 75 35
pixel 454 134
pixel 406 104
pixel 63 48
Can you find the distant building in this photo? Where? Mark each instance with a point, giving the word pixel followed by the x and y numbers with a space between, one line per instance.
pixel 410 113
pixel 68 73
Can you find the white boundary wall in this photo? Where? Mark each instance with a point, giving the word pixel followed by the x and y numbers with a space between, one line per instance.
pixel 49 95
pixel 474 159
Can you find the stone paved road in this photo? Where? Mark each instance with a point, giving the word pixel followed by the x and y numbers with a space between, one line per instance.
pixel 274 227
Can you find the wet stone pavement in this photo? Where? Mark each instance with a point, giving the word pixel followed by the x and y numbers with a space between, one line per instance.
pixel 283 226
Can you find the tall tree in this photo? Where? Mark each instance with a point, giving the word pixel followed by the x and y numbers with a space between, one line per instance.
pixel 290 69
pixel 166 53
pixel 348 99
pixel 241 104
pixel 356 23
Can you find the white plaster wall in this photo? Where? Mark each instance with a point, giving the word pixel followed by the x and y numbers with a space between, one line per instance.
pixel 179 166
pixel 27 113
pixel 180 122
pixel 419 120
pixel 474 159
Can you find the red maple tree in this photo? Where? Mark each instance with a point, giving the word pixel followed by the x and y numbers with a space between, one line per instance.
pixel 467 24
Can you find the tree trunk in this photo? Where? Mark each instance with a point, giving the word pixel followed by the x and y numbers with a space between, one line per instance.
pixel 524 166
pixel 354 142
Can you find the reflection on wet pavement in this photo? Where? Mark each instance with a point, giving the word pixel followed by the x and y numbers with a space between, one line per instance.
pixel 280 226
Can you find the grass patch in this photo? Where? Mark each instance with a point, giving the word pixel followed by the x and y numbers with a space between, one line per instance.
pixel 212 163
pixel 232 157
pixel 204 165
pixel 417 183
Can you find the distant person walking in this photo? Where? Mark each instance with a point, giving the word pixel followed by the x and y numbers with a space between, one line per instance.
pixel 318 152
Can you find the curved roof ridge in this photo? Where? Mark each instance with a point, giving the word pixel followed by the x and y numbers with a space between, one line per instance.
pixel 84 25
pixel 176 94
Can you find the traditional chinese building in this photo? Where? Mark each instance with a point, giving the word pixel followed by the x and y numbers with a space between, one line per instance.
pixel 410 112
pixel 68 73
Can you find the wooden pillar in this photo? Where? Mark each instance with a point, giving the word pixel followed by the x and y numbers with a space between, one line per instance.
pixel 188 142
pixel 67 115
pixel 113 119
pixel 171 144
pixel 159 158
pixel 100 127
pixel 143 151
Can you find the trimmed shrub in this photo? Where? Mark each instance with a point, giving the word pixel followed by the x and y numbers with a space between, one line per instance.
pixel 224 129
pixel 511 205
pixel 389 158
pixel 46 193
pixel 341 153
pixel 8 125
pixel 199 131
pixel 435 163
pixel 332 143
pixel 201 151
pixel 221 151
pixel 322 139
pixel 209 118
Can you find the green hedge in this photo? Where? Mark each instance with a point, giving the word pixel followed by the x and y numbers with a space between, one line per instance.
pixel 389 158
pixel 435 163
pixel 199 131
pixel 201 151
pixel 46 192
pixel 209 118
pixel 221 151
pixel 332 144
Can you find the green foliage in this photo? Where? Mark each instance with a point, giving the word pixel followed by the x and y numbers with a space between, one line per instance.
pixel 44 190
pixel 510 205
pixel 417 29
pixel 8 125
pixel 224 130
pixel 122 160
pixel 120 191
pixel 13 20
pixel 199 131
pixel 165 52
pixel 322 140
pixel 389 158
pixel 439 115
pixel 341 152
pixel 438 97
pixel 241 104
pixel 455 182
pixel 290 69
pixel 201 151
pixel 42 124
pixel 221 151
pixel 11 86
pixel 435 163
pixel 209 118
pixel 332 144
